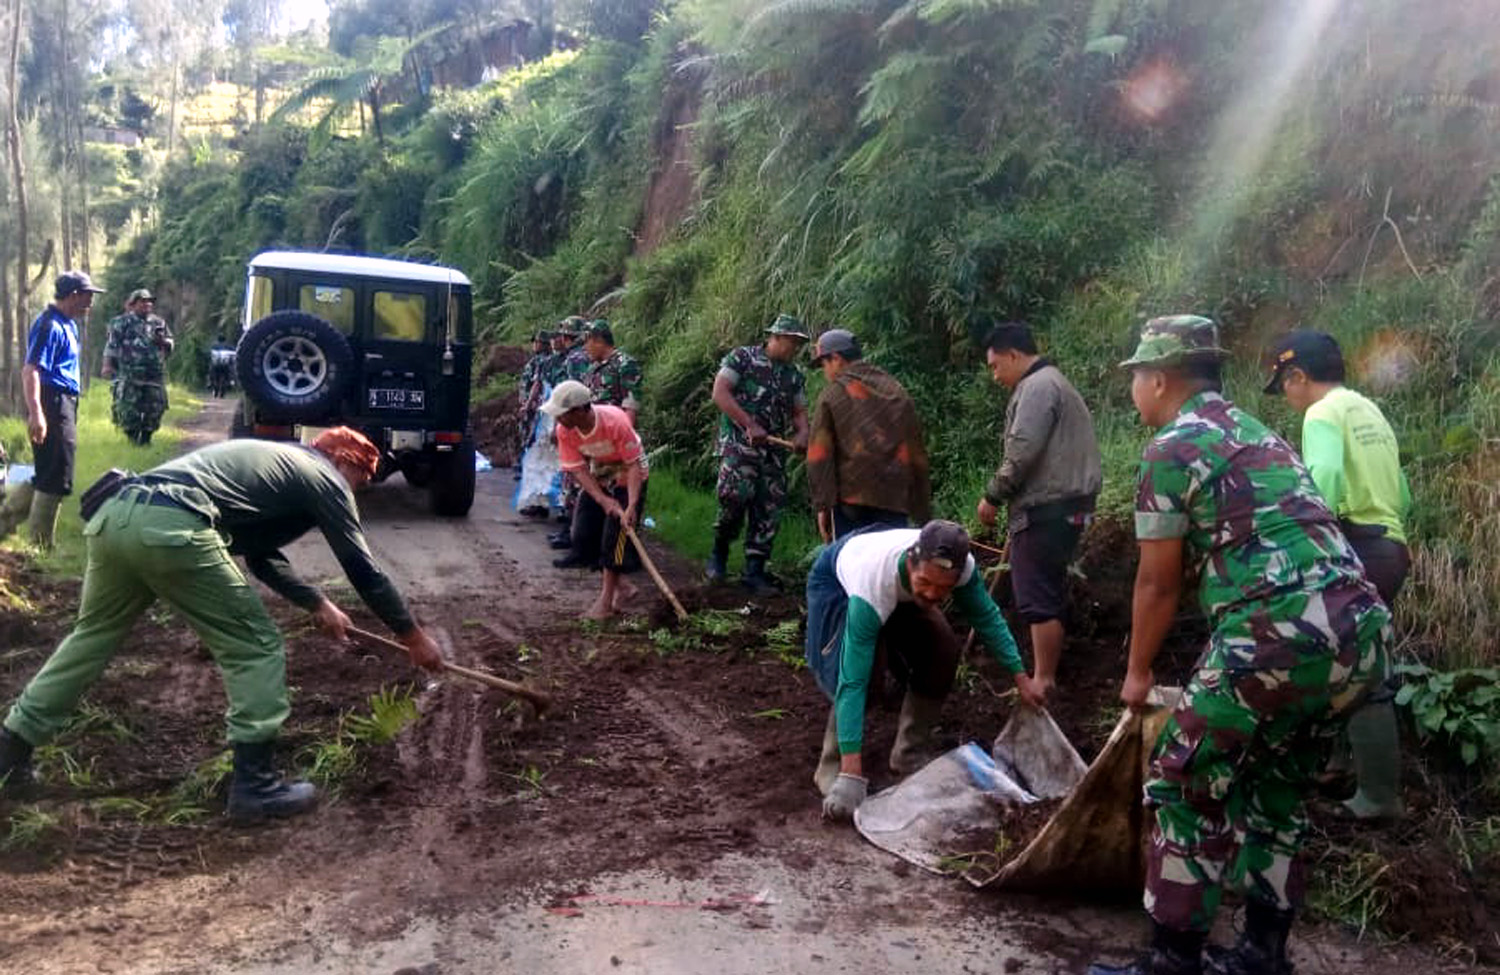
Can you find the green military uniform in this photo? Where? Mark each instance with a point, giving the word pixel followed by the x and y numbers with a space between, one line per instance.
pixel 138 345
pixel 752 479
pixel 616 381
pixel 170 536
pixel 1298 637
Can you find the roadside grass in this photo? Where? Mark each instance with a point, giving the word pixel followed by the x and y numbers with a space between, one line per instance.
pixel 100 447
pixel 684 516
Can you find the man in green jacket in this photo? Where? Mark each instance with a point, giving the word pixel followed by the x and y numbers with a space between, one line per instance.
pixel 169 534
pixel 1351 452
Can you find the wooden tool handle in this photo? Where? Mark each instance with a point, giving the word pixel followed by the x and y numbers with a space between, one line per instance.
pixel 537 698
pixel 781 442
pixel 661 583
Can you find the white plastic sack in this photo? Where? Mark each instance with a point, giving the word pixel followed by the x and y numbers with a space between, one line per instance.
pixel 930 815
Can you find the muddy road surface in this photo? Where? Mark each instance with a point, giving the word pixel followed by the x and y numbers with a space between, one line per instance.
pixel 660 818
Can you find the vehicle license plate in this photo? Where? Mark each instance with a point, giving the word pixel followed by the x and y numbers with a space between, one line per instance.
pixel 397 399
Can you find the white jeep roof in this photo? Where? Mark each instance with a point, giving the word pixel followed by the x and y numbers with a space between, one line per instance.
pixel 370 267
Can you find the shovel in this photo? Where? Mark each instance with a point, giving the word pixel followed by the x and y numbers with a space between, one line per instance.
pixel 538 700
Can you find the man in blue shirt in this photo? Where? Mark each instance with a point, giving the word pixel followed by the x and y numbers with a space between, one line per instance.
pixel 49 381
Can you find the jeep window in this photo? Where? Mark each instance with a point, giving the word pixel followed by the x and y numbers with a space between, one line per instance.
pixel 458 322
pixel 257 299
pixel 400 317
pixel 329 302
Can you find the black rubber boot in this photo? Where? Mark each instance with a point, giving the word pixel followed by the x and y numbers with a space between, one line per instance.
pixel 257 793
pixel 1171 953
pixel 561 540
pixel 17 776
pixel 717 566
pixel 1261 948
pixel 755 578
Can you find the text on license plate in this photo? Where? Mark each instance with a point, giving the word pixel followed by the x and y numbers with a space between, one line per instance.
pixel 397 399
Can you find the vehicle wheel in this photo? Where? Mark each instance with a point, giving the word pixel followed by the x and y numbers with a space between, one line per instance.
pixel 417 473
pixel 453 481
pixel 295 365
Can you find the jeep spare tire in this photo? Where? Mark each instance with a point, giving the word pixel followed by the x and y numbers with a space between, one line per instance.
pixel 295 366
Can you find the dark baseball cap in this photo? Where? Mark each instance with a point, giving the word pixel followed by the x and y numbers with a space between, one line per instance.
pixel 72 282
pixel 943 543
pixel 837 341
pixel 1315 353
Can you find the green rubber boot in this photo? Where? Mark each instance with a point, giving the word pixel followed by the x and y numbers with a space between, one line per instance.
pixel 1376 744
pixel 43 523
pixel 828 761
pixel 914 732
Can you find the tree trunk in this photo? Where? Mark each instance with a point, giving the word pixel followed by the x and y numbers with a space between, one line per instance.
pixel 18 181
pixel 62 124
pixel 10 355
pixel 375 115
pixel 172 113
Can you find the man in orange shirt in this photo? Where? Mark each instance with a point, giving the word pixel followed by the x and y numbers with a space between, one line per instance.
pixel 599 447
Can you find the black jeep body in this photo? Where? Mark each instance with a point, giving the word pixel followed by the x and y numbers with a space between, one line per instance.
pixel 380 345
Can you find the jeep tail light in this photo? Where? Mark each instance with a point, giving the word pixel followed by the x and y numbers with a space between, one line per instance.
pixel 447 437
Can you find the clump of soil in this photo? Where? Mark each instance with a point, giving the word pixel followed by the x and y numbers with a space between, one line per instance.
pixel 506 360
pixel 984 852
pixel 497 429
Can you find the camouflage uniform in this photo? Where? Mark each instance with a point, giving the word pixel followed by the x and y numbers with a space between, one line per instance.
pixel 138 345
pixel 1298 636
pixel 752 480
pixel 616 381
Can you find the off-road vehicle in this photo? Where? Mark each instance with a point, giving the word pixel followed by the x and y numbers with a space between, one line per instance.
pixel 380 345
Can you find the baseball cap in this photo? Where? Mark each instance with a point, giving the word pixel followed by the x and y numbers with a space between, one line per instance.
pixel 71 282
pixel 788 325
pixel 572 325
pixel 837 340
pixel 943 543
pixel 568 395
pixel 1172 338
pixel 1316 353
pixel 139 294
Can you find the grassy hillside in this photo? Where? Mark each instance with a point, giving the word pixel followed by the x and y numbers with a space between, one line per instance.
pixel 903 169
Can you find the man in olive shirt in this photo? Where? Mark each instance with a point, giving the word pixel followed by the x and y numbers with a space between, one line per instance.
pixel 1049 476
pixel 169 534
pixel 1351 452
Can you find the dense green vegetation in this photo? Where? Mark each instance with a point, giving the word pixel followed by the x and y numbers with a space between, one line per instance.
pixel 902 168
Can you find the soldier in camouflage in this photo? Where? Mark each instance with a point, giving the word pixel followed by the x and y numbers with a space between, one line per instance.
pixel 134 357
pixel 529 390
pixel 615 377
pixel 570 361
pixel 761 394
pixel 1298 637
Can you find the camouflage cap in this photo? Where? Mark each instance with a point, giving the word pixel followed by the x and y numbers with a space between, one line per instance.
pixel 600 328
pixel 139 294
pixel 1172 338
pixel 572 325
pixel 787 325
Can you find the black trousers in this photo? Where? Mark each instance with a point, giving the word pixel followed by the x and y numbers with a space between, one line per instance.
pixel 849 518
pixel 54 456
pixel 919 650
pixel 598 536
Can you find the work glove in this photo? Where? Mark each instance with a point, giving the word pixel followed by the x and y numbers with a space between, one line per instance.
pixel 847 793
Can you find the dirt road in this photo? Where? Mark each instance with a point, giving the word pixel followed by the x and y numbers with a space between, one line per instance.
pixel 661 819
